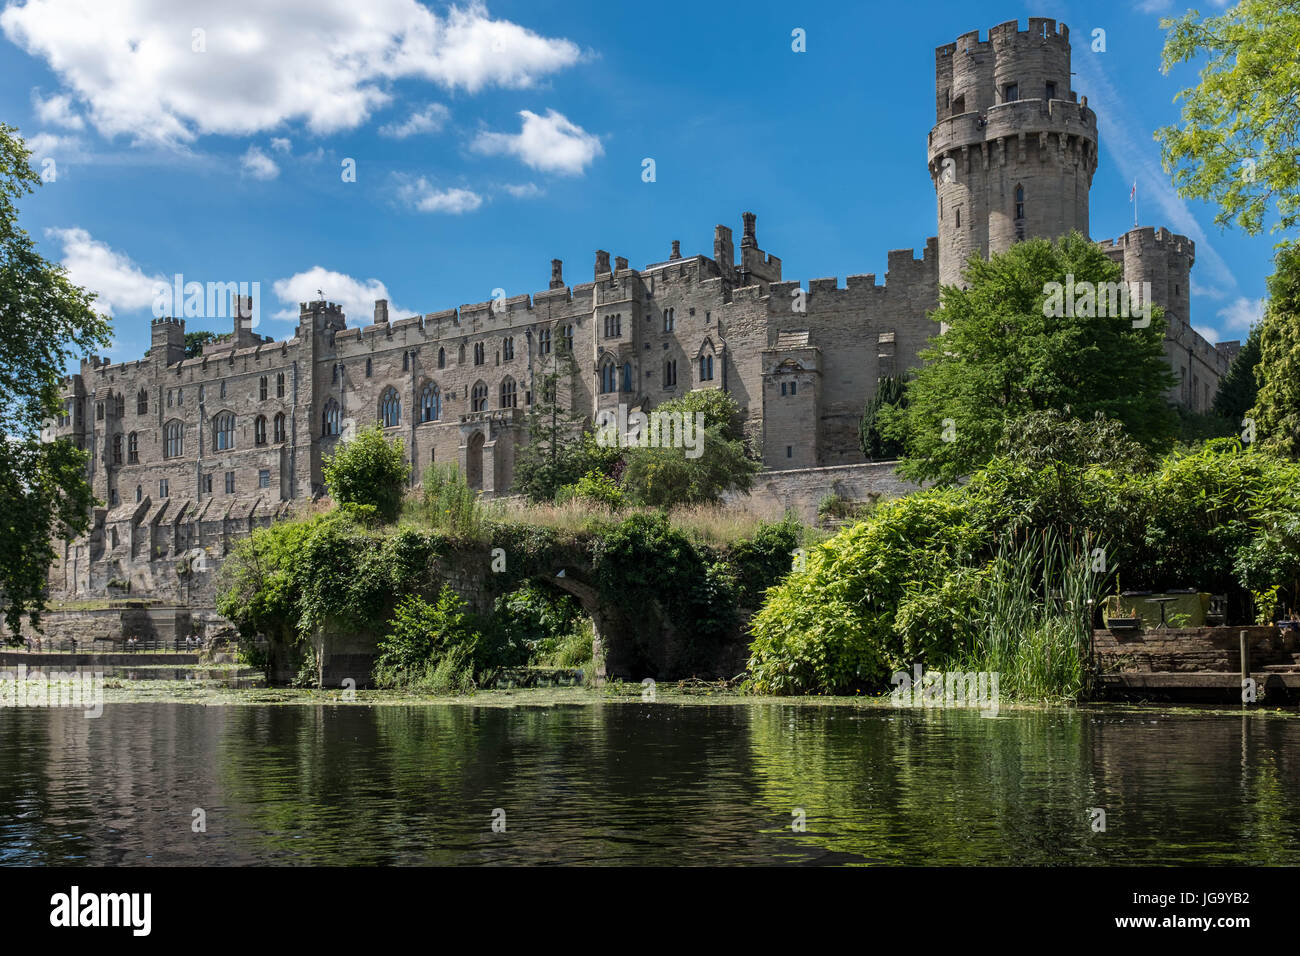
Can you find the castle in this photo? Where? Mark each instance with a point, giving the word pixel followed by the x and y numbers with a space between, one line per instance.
pixel 190 453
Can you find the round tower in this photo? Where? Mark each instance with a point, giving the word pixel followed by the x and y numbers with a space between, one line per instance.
pixel 1012 151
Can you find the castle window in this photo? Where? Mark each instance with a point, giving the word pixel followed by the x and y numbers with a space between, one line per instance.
pixel 203 393
pixel 114 501
pixel 670 373
pixel 170 398
pixel 142 402
pixel 207 484
pixel 959 105
pixel 330 419
pixel 1051 91
pixel 480 398
pixel 369 367
pixel 789 451
pixel 670 319
pixel 508 348
pixel 430 403
pixel 280 433
pixel 613 326
pixel 390 408
pixel 259 430
pixel 335 376
pixel 261 388
pixel 133 449
pixel 223 431
pixel 958 214
pixel 406 361
pixel 99 411
pixel 230 482
pixel 173 440
pixel 163 492
pixel 706 368
pixel 544 342
pixel 223 388
pixel 180 396
pixel 442 358
pixel 608 378
pixel 433 455
pixel 1020 202
pixel 509 398
pixel 119 406
pixel 117 449
pixel 264 478
pixel 139 493
pixel 279 385
pixel 1010 93
pixel 627 376
pixel 479 353
pixel 566 338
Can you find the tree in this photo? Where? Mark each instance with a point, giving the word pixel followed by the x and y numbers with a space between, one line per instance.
pixel 1276 413
pixel 369 470
pixel 560 450
pixel 1238 388
pixel 194 342
pixel 45 322
pixel 891 392
pixel 666 476
pixel 1010 348
pixel 1237 144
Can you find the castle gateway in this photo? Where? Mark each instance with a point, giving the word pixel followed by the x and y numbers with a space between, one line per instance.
pixel 189 454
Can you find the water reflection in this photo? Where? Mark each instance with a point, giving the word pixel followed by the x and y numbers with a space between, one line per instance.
pixel 642 783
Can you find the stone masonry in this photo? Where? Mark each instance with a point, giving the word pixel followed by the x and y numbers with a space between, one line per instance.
pixel 189 454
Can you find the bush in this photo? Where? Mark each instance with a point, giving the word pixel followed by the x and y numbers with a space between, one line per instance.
pixel 423 635
pixel 369 470
pixel 595 487
pixel 450 503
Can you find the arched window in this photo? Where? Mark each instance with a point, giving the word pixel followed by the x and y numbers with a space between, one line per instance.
pixel 119 406
pixel 460 355
pixel 390 408
pixel 479 398
pixel 706 368
pixel 543 341
pixel 173 439
pixel 430 403
pixel 139 493
pixel 608 378
pixel 442 358
pixel 627 376
pixel 259 430
pixel 566 337
pixel 508 348
pixel 479 353
pixel 117 449
pixel 280 434
pixel 1020 202
pixel 261 388
pixel 142 402
pixel 509 398
pixel 368 368
pixel 279 385
pixel 223 431
pixel 330 419
pixel 132 449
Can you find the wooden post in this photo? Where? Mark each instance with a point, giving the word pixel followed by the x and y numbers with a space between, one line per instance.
pixel 1245 657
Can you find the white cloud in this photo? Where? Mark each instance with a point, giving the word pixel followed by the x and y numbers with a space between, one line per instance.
pixel 356 296
pixel 421 195
pixel 56 110
pixel 523 190
pixel 118 282
pixel 131 65
pixel 550 143
pixel 257 164
pixel 281 145
pixel 54 146
pixel 1239 315
pixel 431 119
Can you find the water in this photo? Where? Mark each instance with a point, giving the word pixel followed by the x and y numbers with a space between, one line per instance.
pixel 644 784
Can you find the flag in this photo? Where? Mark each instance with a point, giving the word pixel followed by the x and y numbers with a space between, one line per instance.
pixel 1133 192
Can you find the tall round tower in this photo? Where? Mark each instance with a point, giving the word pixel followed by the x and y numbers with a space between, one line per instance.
pixel 1012 152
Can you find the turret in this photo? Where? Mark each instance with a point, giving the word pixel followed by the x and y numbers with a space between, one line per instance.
pixel 167 341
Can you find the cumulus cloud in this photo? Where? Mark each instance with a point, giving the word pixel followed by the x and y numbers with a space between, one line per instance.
pixel 550 143
pixel 56 110
pixel 120 285
pixel 423 196
pixel 257 164
pixel 356 296
pixel 139 68
pixel 1238 316
pixel 431 119
pixel 523 190
pixel 281 145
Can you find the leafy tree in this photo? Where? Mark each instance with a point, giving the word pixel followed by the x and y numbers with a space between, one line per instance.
pixel 662 477
pixel 559 450
pixel 1002 357
pixel 45 322
pixel 1237 143
pixel 1277 406
pixel 891 392
pixel 1238 388
pixel 369 470
pixel 194 342
pixel 595 486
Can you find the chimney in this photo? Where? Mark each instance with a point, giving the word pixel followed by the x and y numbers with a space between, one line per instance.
pixel 602 262
pixel 381 311
pixel 749 240
pixel 557 274
pixel 677 249
pixel 724 253
pixel 620 263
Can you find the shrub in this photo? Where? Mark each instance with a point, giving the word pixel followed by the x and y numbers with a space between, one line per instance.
pixel 421 635
pixel 369 470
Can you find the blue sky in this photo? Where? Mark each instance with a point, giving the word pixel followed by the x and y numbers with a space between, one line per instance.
pixel 489 139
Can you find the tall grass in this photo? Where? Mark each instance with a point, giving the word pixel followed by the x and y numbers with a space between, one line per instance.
pixel 447 501
pixel 1034 628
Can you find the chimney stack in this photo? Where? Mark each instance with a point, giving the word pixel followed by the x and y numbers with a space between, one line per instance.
pixel 381 311
pixel 677 249
pixel 557 274
pixel 749 240
pixel 602 262
pixel 620 263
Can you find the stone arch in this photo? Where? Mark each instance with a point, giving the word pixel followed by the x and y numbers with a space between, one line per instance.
pixel 474 460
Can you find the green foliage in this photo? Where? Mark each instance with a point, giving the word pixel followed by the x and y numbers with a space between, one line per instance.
pixel 891 392
pixel 764 559
pixel 1002 358
pixel 663 477
pixel 1243 109
pixel 369 470
pixel 195 341
pixel 1238 388
pixel 596 487
pixel 530 623
pixel 421 633
pixel 450 503
pixel 45 322
pixel 559 451
pixel 1277 405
